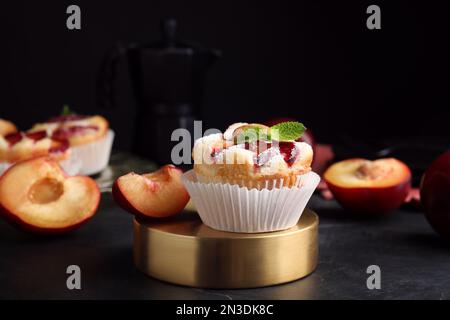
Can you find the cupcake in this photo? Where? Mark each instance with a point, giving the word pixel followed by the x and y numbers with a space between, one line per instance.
pixel 252 178
pixel 89 138
pixel 6 127
pixel 19 146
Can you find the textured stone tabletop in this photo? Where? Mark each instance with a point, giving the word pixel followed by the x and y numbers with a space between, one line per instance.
pixel 414 261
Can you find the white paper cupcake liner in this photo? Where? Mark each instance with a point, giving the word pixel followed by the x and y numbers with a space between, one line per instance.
pixel 94 156
pixel 71 166
pixel 4 166
pixel 227 207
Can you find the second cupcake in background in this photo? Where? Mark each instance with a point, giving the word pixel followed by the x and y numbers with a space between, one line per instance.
pixel 90 139
pixel 18 146
pixel 252 178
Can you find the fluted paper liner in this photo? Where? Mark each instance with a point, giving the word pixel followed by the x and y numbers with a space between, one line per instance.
pixel 71 166
pixel 94 156
pixel 228 207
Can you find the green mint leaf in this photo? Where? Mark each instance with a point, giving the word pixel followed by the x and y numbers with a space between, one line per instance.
pixel 287 131
pixel 252 134
pixel 66 110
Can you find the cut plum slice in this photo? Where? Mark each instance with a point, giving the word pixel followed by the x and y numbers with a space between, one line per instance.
pixel 157 194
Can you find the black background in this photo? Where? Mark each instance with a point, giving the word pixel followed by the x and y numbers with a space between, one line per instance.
pixel 313 60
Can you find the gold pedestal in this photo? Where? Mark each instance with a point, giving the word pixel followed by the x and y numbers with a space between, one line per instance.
pixel 182 250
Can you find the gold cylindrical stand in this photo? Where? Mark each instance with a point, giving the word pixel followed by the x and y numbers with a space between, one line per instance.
pixel 182 250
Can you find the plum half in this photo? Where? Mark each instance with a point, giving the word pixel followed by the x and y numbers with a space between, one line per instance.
pixel 37 195
pixel 369 187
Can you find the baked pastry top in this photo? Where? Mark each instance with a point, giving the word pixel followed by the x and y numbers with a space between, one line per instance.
pixel 6 127
pixel 241 155
pixel 77 129
pixel 21 146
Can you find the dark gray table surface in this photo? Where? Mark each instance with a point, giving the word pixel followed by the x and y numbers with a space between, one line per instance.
pixel 414 261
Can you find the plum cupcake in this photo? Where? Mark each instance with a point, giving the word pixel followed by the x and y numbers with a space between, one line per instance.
pixel 19 146
pixel 252 178
pixel 90 139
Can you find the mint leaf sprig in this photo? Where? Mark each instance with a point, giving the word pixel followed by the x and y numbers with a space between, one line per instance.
pixel 284 131
pixel 254 133
pixel 66 111
pixel 287 131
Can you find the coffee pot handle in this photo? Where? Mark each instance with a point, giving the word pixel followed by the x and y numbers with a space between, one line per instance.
pixel 106 77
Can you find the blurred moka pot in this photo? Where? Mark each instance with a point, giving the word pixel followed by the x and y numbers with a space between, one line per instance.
pixel 168 78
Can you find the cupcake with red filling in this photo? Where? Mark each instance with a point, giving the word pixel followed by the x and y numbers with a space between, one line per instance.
pixel 89 137
pixel 19 146
pixel 253 156
pixel 252 178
